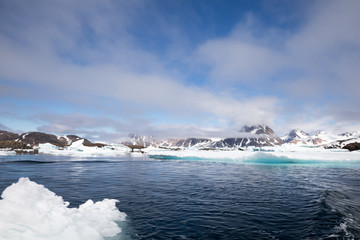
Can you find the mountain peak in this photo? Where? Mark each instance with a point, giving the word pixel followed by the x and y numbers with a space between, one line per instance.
pixel 298 133
pixel 257 129
pixel 296 136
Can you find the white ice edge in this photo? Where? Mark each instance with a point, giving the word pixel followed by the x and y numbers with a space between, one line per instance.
pixel 293 153
pixel 77 149
pixel 30 211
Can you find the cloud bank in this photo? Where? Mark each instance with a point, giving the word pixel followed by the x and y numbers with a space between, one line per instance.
pixel 94 69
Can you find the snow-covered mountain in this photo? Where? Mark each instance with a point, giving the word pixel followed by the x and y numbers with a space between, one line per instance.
pixel 345 139
pixel 299 137
pixel 295 135
pixel 321 138
pixel 255 136
pixel 248 136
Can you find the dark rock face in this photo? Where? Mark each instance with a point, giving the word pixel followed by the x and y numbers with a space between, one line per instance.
pixel 13 145
pixel 87 143
pixel 35 138
pixel 352 146
pixel 8 136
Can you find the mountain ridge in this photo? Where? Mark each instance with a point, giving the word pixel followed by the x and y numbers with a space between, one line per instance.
pixel 32 139
pixel 258 136
pixel 248 136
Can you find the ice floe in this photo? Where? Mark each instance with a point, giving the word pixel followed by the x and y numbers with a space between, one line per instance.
pixel 31 211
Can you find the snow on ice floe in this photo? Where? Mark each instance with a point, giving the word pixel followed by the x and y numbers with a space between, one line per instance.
pixel 78 149
pixel 6 152
pixel 285 151
pixel 30 211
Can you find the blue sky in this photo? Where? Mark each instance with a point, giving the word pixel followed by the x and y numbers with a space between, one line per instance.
pixel 178 68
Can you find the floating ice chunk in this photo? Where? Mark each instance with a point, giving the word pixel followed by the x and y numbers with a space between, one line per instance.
pixel 30 211
pixel 77 148
pixel 7 151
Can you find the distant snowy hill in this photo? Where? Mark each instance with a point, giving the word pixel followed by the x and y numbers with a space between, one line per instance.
pixel 345 139
pixel 294 136
pixel 321 138
pixel 299 137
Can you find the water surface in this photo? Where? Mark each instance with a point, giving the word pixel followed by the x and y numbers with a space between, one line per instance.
pixel 199 199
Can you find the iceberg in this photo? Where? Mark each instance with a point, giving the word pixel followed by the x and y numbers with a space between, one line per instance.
pixel 31 211
pixel 77 148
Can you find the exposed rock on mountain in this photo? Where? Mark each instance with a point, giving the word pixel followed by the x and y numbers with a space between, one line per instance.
pixel 34 138
pixel 352 146
pixel 8 136
pixel 190 142
pixel 12 145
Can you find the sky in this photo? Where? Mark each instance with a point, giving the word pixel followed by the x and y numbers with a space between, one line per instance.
pixel 178 68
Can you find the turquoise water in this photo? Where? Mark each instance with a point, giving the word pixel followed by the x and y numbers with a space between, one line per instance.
pixel 268 160
pixel 264 198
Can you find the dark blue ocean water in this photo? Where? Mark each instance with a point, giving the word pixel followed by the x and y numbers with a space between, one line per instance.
pixel 185 199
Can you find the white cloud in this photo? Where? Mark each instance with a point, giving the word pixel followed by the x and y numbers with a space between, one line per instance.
pixel 318 63
pixel 114 68
pixel 239 61
pixel 85 54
